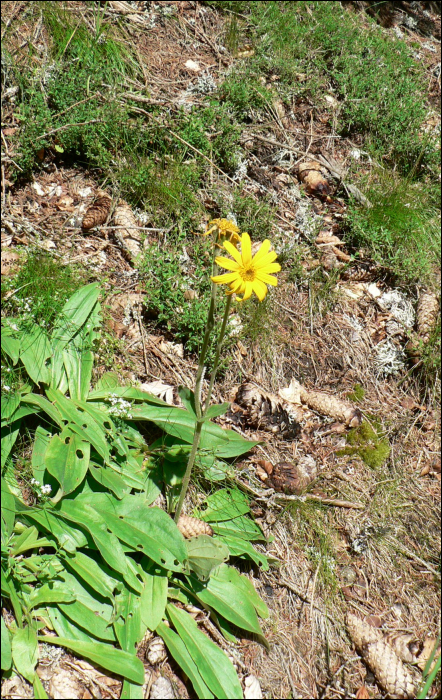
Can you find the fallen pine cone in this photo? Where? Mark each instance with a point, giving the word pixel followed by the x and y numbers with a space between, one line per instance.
pixel 192 527
pixel 310 173
pixel 286 477
pixel 267 412
pixel 426 315
pixel 129 235
pixel 97 213
pixel 391 674
pixel 322 403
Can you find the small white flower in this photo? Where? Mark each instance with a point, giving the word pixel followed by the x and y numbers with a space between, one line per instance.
pixel 35 482
pixel 6 387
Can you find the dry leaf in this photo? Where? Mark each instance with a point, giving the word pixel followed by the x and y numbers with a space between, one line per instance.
pixel 129 236
pixel 362 693
pixel 192 527
pixel 172 348
pixel 160 389
pixel 64 684
pixel 252 688
pixel 97 213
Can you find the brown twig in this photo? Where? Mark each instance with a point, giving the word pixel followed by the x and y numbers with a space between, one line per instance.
pixel 318 499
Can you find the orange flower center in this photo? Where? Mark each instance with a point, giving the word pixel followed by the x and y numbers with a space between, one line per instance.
pixel 248 274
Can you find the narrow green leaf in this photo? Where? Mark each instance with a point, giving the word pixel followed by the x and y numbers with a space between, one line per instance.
pixel 9 435
pixel 120 662
pixel 64 627
pixel 42 438
pixel 25 540
pixel 47 594
pixel 40 402
pixel 218 410
pixel 67 459
pixel 188 398
pixel 91 573
pixel 74 314
pixel 179 652
pixel 153 598
pixel 6 647
pixel 67 535
pixel 232 575
pixel 213 664
pixel 129 627
pixel 78 365
pixel 131 691
pixel 242 527
pixel 35 350
pixel 39 691
pixel 129 393
pixel 8 509
pixel 108 381
pixel 25 651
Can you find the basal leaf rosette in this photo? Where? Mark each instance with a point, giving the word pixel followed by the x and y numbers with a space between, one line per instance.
pixel 249 274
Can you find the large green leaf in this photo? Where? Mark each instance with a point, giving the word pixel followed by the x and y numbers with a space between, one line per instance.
pixel 227 599
pixel 120 662
pixel 181 424
pixel 242 527
pixel 129 627
pixel 64 627
pixel 9 403
pixel 153 599
pixel 67 535
pixel 26 540
pixel 129 393
pixel 80 421
pixel 224 504
pixel 10 345
pixel 239 547
pixel 67 459
pixel 145 529
pixel 25 651
pixel 179 652
pixel 213 664
pixel 20 412
pixel 92 573
pixel 6 647
pixel 78 365
pixel 232 575
pixel 35 350
pixel 74 314
pixel 79 511
pixel 205 554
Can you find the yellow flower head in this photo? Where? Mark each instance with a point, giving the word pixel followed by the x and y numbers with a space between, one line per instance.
pixel 248 274
pixel 225 228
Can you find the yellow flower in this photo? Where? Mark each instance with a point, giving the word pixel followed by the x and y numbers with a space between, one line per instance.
pixel 225 228
pixel 248 274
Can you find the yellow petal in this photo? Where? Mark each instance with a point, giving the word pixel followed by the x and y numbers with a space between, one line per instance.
pixel 271 267
pixel 260 289
pixel 246 249
pixel 233 252
pixel 267 279
pixel 248 289
pixel 227 263
pixel 266 259
pixel 225 279
pixel 262 252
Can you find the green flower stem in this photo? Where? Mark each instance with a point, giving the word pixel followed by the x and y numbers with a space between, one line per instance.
pixel 197 394
pixel 218 351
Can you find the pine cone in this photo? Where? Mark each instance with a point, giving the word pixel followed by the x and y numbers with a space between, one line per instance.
pixel 377 652
pixel 267 411
pixel 328 405
pixel 156 652
pixel 427 313
pixel 129 236
pixel 162 689
pixel 310 173
pixel 192 527
pixel 293 478
pixel 97 213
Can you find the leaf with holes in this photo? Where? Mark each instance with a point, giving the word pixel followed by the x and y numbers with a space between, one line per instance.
pixel 154 597
pixel 67 459
pixel 35 351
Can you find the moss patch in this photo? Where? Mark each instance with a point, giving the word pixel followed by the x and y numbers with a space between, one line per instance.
pixel 368 444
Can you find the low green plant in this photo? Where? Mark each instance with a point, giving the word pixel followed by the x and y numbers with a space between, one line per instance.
pixel 401 231
pixel 369 444
pixel 357 394
pixel 432 668
pixel 95 562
